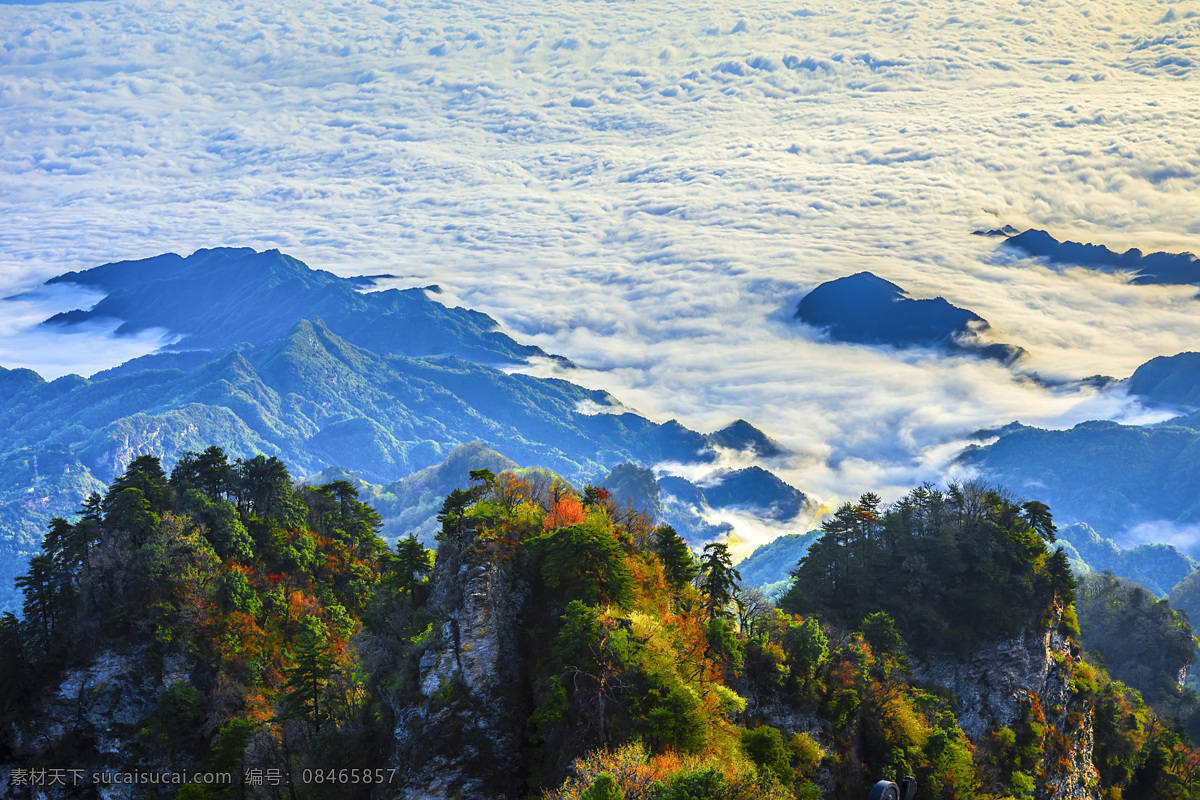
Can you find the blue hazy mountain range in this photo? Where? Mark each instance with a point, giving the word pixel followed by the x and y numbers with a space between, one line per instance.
pixel 385 386
pixel 214 299
pixel 1164 268
pixel 1170 381
pixel 684 504
pixel 866 309
pixel 1111 476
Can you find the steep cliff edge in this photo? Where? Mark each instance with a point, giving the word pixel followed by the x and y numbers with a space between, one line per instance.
pixel 463 737
pixel 1016 681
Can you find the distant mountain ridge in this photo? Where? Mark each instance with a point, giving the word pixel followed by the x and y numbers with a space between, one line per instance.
pixel 1148 268
pixel 1112 476
pixel 388 385
pixel 1168 381
pixel 1159 567
pixel 225 296
pixel 866 309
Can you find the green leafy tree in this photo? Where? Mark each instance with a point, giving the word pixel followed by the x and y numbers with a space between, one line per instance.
pixel 952 570
pixel 579 637
pixel 807 649
pixel 879 630
pixel 589 663
pixel 238 594
pixel 604 787
pixel 767 750
pixel 586 563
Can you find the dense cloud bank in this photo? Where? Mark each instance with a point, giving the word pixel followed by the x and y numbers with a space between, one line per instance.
pixel 647 189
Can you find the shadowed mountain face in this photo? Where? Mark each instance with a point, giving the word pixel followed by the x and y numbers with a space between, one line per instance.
pixel 311 398
pixel 1168 381
pixel 219 298
pixel 1158 567
pixel 1113 477
pixel 770 566
pixel 742 436
pixel 1164 268
pixel 865 309
pixel 315 399
pixel 753 491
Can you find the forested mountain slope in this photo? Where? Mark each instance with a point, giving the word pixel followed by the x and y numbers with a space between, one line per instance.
pixel 218 619
pixel 1111 476
pixel 383 384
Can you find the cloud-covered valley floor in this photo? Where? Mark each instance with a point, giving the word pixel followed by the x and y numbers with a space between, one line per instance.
pixel 646 188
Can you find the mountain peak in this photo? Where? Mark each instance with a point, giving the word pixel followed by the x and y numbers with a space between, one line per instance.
pixel 1152 268
pixel 221 297
pixel 866 309
pixel 741 435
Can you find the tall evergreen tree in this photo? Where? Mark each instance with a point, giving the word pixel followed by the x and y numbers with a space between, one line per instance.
pixel 677 558
pixel 453 516
pixel 586 562
pixel 408 566
pixel 309 676
pixel 145 474
pixel 1039 518
pixel 718 579
pixel 129 512
pixel 264 490
pixel 39 585
pixel 1062 582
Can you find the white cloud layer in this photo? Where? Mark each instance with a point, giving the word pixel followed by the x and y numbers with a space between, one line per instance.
pixel 646 188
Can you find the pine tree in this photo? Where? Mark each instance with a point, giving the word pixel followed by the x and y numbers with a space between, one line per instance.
pixel 145 474
pixel 264 490
pixel 1062 582
pixel 309 676
pixel 718 580
pixel 129 512
pixel 453 516
pixel 407 567
pixel 677 558
pixel 41 602
pixel 586 563
pixel 1039 518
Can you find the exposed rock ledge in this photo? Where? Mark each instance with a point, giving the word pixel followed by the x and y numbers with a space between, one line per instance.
pixel 996 685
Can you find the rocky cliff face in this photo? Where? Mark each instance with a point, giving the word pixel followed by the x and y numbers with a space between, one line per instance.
pixel 463 740
pixel 100 708
pixel 1026 677
pixel 1006 684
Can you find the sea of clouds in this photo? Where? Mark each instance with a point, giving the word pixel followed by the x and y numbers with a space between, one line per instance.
pixel 645 187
